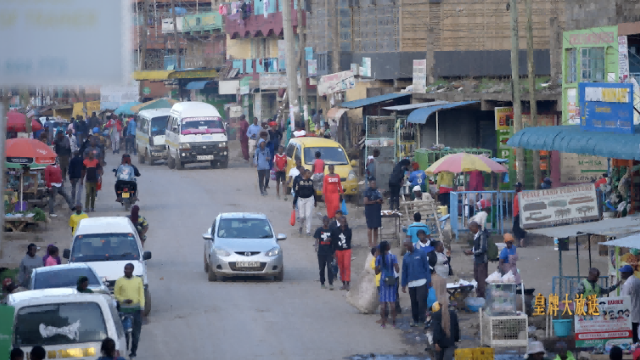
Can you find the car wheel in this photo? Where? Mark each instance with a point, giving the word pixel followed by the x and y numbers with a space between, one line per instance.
pixel 171 162
pixel 141 158
pixel 211 276
pixel 147 302
pixel 280 276
pixel 206 264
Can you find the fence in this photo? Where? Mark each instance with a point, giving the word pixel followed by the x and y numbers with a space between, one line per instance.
pixel 463 205
pixel 569 285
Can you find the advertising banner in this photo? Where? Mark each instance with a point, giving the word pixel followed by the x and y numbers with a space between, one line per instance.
pixel 419 76
pixel 606 107
pixel 623 59
pixel 579 169
pixel 270 81
pixel 611 327
pixel 563 205
pixel 573 108
pixel 332 83
pixel 312 67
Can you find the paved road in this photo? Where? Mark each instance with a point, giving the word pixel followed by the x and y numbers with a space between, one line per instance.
pixel 239 319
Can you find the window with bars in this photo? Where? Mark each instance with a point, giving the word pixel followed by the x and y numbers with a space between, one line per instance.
pixel 571 71
pixel 592 64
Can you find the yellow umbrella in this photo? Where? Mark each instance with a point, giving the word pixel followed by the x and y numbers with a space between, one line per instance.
pixel 462 162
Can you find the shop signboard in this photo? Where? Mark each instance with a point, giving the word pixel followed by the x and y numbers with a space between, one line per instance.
pixel 580 169
pixel 612 325
pixel 312 67
pixel 273 81
pixel 245 85
pixel 623 59
pixel 419 76
pixel 332 83
pixel 504 131
pixel 606 107
pixel 563 205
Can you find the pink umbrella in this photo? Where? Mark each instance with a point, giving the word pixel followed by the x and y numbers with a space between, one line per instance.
pixel 463 162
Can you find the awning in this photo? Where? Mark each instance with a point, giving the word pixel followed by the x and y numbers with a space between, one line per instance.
pixel 154 75
pixel 372 100
pixel 414 106
pixel 570 139
pixel 420 116
pixel 197 85
pixel 194 74
pixel 335 113
pixel 607 227
pixel 632 242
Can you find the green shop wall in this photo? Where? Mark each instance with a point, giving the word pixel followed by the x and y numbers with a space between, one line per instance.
pixel 588 55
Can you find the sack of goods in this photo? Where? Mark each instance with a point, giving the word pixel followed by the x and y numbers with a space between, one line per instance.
pixel 363 293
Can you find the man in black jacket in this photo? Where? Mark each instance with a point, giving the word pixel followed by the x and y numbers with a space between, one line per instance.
pixel 62 147
pixel 444 341
pixel 480 260
pixel 75 174
pixel 395 183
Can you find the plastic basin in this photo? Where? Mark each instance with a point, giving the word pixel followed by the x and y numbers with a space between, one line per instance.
pixel 562 328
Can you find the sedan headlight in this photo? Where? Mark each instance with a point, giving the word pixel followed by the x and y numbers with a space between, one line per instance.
pixel 185 147
pixel 352 175
pixel 222 252
pixel 222 144
pixel 274 252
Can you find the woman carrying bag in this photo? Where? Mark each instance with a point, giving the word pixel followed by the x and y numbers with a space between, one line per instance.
pixel 386 263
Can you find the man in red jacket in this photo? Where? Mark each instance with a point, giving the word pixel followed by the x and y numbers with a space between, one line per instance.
pixel 53 180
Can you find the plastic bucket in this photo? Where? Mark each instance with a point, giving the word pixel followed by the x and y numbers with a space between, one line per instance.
pixel 562 328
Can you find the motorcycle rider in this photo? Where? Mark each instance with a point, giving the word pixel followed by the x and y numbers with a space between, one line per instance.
pixel 125 175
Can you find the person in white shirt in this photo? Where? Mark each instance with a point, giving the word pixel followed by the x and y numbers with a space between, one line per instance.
pixel 442 266
pixel 631 288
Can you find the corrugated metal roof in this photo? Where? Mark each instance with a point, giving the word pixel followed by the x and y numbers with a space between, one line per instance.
pixel 420 116
pixel 607 227
pixel 372 100
pixel 335 113
pixel 632 242
pixel 414 106
pixel 570 139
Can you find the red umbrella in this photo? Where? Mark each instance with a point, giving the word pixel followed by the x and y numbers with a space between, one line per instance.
pixel 29 151
pixel 17 122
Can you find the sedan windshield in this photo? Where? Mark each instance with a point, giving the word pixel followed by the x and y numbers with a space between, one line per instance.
pixel 244 229
pixel 59 324
pixel 330 155
pixel 101 247
pixel 63 278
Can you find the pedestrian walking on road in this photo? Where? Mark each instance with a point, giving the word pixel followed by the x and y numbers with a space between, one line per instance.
pixel 372 211
pixel 518 232
pixel 341 238
pixel 91 173
pixel 75 218
pixel 47 256
pixel 62 147
pixel 261 159
pixel 396 180
pixel 631 288
pixel 280 166
pixel 387 267
pixel 318 171
pixel 53 255
pixel 294 172
pixel 305 199
pixel 53 181
pixel 114 131
pixel 332 191
pixel 324 249
pixel 372 162
pixel 75 175
pixel 129 292
pixel 131 137
pixel 72 141
pixel 27 264
pixel 416 274
pixel 108 350
pixel 480 260
pixel 252 133
pixel 243 126
pixel 81 129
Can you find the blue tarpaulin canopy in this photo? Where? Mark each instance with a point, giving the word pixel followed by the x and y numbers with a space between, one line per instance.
pixel 420 116
pixel 197 85
pixel 125 109
pixel 372 100
pixel 570 139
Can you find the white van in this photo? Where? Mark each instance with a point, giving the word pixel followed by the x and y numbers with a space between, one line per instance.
pixel 67 324
pixel 151 125
pixel 107 244
pixel 196 133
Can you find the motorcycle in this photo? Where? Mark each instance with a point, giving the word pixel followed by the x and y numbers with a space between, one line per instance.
pixel 126 193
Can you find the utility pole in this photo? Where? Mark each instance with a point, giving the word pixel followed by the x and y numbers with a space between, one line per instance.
pixel 302 35
pixel 4 108
pixel 515 79
pixel 143 40
pixel 335 35
pixel 175 33
pixel 291 65
pixel 537 175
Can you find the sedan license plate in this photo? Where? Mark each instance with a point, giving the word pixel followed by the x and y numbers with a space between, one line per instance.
pixel 157 154
pixel 205 157
pixel 247 264
pixel 125 195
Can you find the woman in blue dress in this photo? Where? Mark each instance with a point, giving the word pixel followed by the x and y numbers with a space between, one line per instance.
pixel 386 264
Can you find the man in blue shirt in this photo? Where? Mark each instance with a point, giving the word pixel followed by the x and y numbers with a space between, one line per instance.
pixel 412 231
pixel 131 136
pixel 253 132
pixel 417 276
pixel 417 176
pixel 261 158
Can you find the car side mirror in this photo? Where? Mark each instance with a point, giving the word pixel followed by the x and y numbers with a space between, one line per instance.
pixel 175 129
pixel 207 236
pixel 354 163
pixel 281 237
pixel 66 254
pixel 146 255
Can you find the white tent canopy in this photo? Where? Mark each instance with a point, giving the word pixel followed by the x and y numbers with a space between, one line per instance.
pixel 632 242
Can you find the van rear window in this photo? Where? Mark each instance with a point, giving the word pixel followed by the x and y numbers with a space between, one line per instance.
pixel 59 324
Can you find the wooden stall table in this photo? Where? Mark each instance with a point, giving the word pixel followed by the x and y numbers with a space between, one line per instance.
pixel 17 223
pixel 394 234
